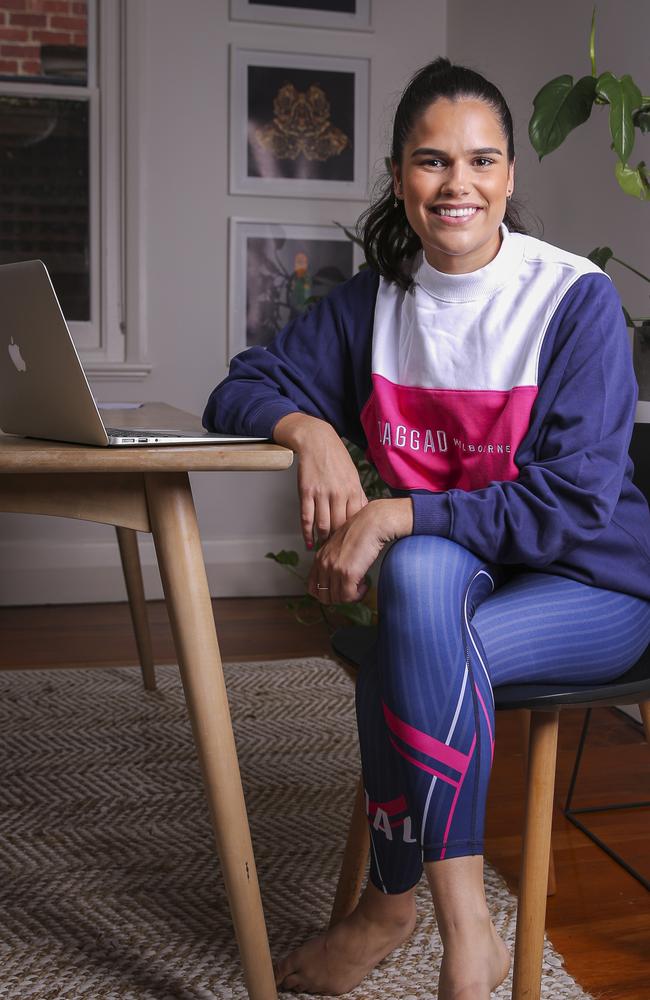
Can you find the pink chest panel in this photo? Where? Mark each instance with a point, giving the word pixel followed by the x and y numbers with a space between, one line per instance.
pixel 441 439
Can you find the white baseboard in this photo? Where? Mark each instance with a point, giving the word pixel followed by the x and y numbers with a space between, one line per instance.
pixel 90 572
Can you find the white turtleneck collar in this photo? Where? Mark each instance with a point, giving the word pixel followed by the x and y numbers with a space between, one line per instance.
pixel 478 284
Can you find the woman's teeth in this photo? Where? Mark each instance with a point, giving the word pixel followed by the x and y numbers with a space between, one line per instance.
pixel 455 211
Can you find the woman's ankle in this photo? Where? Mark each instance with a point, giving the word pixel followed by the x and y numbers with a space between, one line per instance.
pixel 464 926
pixel 393 909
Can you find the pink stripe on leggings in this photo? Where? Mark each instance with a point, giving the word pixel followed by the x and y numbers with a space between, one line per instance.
pixel 391 808
pixel 423 767
pixel 424 743
pixel 453 804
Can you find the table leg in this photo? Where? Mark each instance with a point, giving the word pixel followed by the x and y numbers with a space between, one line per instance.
pixel 131 567
pixel 355 860
pixel 180 559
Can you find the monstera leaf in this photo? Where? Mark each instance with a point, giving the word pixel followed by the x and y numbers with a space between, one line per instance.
pixel 624 98
pixel 559 107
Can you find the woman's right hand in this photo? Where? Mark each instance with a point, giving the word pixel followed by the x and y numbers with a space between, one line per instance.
pixel 328 482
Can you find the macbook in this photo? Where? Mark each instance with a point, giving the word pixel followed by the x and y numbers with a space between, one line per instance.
pixel 44 392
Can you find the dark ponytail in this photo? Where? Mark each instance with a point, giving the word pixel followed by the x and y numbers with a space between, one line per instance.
pixel 388 240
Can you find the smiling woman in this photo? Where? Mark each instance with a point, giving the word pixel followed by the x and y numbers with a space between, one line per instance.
pixel 488 376
pixel 452 158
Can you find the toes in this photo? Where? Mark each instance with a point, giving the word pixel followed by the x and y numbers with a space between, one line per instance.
pixel 282 969
pixel 292 982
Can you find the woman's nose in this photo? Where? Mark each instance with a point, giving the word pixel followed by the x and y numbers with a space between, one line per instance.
pixel 455 181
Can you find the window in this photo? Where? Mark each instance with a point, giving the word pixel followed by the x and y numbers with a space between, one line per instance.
pixel 61 161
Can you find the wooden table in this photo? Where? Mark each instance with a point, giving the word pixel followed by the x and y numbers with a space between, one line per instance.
pixel 148 489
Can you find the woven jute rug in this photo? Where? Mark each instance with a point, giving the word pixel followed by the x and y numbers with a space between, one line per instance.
pixel 109 884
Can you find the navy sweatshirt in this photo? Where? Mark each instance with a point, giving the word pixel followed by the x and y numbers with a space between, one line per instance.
pixel 501 401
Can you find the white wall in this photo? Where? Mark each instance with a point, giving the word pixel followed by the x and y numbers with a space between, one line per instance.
pixel 183 113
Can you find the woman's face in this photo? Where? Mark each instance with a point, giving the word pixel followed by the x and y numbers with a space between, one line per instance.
pixel 456 158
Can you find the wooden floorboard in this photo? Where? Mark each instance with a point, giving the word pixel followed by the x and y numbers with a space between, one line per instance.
pixel 599 920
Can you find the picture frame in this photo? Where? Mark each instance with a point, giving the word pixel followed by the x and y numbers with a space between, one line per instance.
pixel 275 267
pixel 298 125
pixel 353 15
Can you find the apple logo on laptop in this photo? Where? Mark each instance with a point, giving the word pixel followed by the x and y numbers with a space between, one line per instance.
pixel 16 356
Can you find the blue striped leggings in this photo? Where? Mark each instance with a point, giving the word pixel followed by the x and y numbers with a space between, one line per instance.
pixel 451 627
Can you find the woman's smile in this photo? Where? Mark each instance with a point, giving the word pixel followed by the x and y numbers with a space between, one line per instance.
pixel 455 216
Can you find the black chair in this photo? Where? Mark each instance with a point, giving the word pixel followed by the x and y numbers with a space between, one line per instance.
pixel 544 702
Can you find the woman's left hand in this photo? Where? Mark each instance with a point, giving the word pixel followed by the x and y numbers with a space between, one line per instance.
pixel 339 567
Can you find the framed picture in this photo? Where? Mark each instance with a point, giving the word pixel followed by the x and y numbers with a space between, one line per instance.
pixel 351 14
pixel 276 271
pixel 298 125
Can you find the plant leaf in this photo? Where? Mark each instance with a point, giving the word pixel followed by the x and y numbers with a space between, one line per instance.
pixel 641 119
pixel 560 106
pixel 306 602
pixel 600 256
pixel 285 557
pixel 634 182
pixel 357 613
pixel 624 98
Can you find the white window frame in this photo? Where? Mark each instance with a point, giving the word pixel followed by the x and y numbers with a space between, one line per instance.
pixel 102 342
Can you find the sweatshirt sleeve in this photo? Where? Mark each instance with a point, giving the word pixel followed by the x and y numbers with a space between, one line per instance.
pixel 310 366
pixel 574 455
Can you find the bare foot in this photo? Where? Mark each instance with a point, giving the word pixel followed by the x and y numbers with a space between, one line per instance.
pixel 337 961
pixel 474 963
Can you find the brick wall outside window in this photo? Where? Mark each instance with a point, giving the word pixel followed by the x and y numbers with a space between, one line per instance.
pixel 28 25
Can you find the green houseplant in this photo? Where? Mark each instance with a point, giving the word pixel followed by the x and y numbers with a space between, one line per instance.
pixel 563 104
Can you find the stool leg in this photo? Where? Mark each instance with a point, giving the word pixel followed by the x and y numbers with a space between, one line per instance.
pixel 127 540
pixel 644 708
pixel 355 858
pixel 524 714
pixel 531 912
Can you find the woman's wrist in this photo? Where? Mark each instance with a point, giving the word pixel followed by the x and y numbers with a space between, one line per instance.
pixel 395 517
pixel 294 429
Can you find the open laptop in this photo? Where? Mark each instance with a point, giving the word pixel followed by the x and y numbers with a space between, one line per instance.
pixel 44 392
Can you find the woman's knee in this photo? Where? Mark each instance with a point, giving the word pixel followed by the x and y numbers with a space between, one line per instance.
pixel 424 564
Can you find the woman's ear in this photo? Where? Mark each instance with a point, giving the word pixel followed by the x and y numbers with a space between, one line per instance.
pixel 511 180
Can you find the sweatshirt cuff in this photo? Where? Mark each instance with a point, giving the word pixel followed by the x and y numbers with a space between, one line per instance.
pixel 431 514
pixel 262 422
